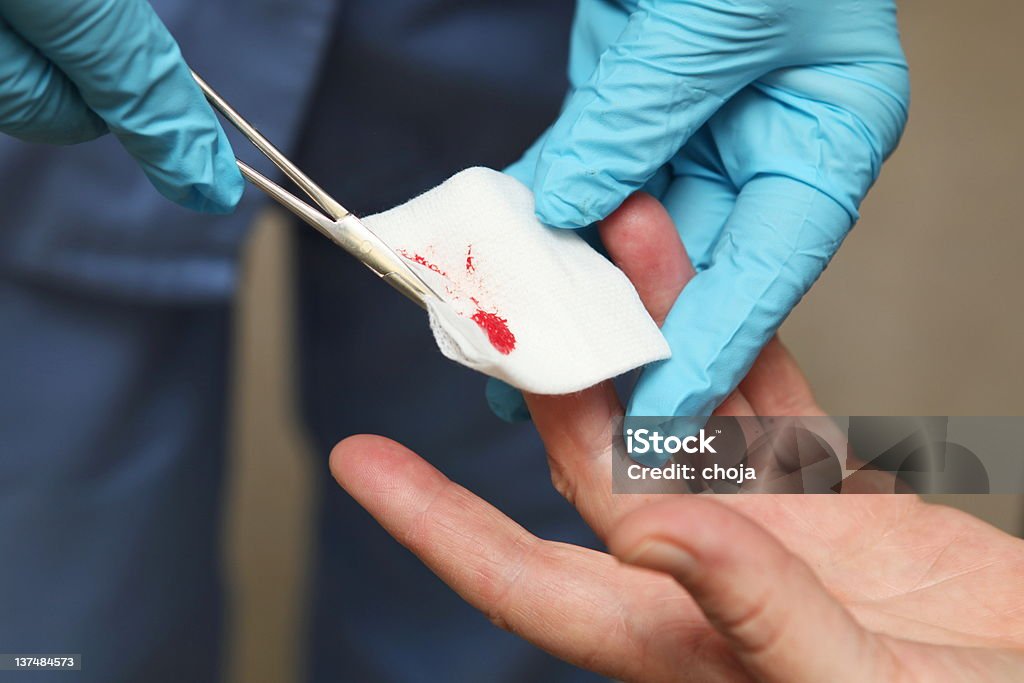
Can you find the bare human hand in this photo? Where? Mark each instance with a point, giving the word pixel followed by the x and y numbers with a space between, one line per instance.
pixel 787 589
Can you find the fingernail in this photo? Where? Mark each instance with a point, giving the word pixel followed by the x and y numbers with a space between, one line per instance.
pixel 663 557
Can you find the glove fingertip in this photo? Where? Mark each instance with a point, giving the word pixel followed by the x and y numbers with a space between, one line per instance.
pixel 224 194
pixel 654 397
pixel 572 196
pixel 208 180
pixel 506 402
pixel 221 200
pixel 643 404
pixel 556 212
pixel 216 196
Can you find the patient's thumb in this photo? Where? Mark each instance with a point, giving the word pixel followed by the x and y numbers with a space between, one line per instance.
pixel 779 620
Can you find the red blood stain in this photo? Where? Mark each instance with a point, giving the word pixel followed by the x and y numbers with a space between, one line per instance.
pixel 494 325
pixel 497 331
pixel 416 258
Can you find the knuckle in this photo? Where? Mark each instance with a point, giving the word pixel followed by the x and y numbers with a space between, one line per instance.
pixel 759 624
pixel 497 619
pixel 501 586
pixel 563 484
pixel 757 628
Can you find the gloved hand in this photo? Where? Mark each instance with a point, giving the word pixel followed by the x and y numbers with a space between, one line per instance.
pixel 71 70
pixel 761 125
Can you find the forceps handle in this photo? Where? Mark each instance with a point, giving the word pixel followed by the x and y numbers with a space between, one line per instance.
pixel 331 206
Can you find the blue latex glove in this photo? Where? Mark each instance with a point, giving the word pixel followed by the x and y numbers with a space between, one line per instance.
pixel 72 70
pixel 761 124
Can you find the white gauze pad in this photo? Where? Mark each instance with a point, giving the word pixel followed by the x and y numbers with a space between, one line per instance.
pixel 531 305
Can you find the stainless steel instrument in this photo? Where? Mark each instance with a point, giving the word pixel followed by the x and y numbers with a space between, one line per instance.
pixel 328 216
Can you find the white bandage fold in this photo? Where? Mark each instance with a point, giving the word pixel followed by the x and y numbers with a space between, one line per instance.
pixel 531 305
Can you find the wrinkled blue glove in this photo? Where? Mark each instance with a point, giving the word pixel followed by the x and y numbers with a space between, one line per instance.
pixel 761 125
pixel 72 70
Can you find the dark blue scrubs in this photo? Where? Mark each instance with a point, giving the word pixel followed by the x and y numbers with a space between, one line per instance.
pixel 114 338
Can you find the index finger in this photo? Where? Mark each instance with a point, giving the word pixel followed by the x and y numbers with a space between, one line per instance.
pixel 562 598
pixel 577 429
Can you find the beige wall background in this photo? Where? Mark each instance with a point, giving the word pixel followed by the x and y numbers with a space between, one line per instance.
pixel 919 314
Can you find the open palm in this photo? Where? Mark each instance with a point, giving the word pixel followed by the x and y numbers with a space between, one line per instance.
pixel 762 587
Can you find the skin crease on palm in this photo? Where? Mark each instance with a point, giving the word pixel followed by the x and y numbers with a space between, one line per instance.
pixel 787 589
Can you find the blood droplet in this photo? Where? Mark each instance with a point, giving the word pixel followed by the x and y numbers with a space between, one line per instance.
pixel 496 327
pixel 497 331
pixel 416 258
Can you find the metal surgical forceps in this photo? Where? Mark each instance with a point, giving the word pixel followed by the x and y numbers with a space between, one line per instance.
pixel 331 218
